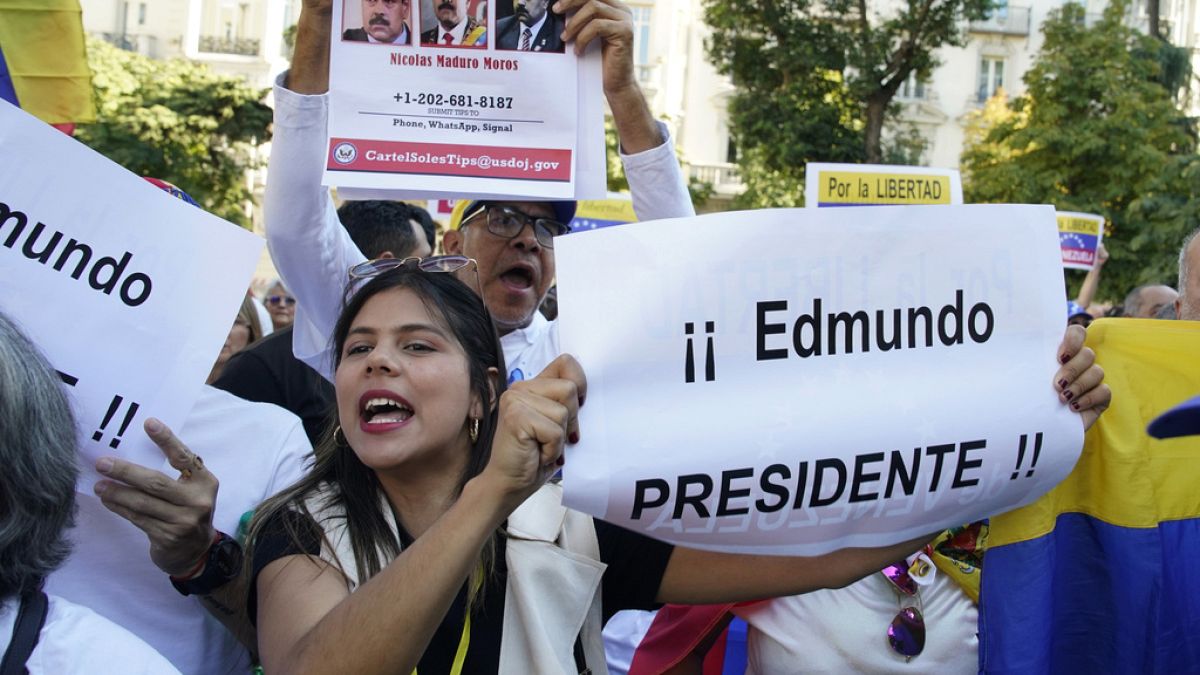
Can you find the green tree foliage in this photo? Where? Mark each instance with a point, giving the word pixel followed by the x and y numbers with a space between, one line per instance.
pixel 178 121
pixel 1097 131
pixel 816 79
pixel 698 190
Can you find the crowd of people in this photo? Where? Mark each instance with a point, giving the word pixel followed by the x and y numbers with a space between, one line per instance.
pixel 365 483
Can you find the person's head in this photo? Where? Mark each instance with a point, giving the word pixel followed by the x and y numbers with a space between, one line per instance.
pixel 1187 305
pixel 244 332
pixel 512 242
pixel 449 12
pixel 417 349
pixel 386 229
pixel 1077 315
pixel 530 12
pixel 384 19
pixel 1144 302
pixel 417 367
pixel 281 305
pixel 37 485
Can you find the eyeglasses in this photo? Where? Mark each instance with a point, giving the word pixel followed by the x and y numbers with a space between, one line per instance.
pixel 508 223
pixel 281 300
pixel 906 633
pixel 437 263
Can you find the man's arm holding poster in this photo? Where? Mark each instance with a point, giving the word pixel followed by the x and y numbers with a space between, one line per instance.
pixel 656 182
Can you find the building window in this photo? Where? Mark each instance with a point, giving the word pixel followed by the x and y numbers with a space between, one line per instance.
pixel 991 77
pixel 913 88
pixel 641 41
pixel 142 14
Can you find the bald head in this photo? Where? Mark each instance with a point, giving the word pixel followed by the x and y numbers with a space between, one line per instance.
pixel 1144 302
pixel 1187 305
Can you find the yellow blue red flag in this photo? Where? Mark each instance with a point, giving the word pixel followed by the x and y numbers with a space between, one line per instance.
pixel 43 60
pixel 1101 575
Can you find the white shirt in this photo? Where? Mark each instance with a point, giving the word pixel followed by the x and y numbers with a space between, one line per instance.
pixel 255 450
pixel 456 33
pixel 312 251
pixel 75 639
pixel 845 631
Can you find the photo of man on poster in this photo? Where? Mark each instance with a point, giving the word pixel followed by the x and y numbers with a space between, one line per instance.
pixel 383 22
pixel 531 28
pixel 455 26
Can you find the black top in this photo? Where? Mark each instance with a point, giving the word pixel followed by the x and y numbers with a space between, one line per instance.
pixel 635 568
pixel 268 372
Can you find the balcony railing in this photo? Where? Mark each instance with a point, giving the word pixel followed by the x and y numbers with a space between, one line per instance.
pixel 1005 20
pixel 214 44
pixel 723 177
pixel 146 45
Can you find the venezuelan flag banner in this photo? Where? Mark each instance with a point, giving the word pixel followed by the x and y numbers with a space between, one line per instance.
pixel 43 60
pixel 1102 575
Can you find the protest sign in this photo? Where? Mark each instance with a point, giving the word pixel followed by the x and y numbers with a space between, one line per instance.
pixel 128 291
pixel 593 214
pixel 878 184
pixel 476 116
pixel 1079 236
pixel 795 381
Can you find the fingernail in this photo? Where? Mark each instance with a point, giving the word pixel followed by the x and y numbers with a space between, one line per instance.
pixel 1068 394
pixel 1062 384
pixel 560 461
pixel 153 425
pixel 1064 358
pixel 104 465
pixel 574 437
pixel 99 488
pixel 1075 405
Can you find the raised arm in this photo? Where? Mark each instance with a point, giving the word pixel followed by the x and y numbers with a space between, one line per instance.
pixel 308 245
pixel 656 181
pixel 1087 292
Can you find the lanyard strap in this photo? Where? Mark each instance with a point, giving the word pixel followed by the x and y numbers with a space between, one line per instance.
pixel 460 657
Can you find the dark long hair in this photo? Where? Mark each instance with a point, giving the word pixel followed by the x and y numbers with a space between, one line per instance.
pixel 351 484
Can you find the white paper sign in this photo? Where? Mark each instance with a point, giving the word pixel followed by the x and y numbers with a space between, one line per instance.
pixel 128 291
pixel 474 116
pixel 796 381
pixel 879 185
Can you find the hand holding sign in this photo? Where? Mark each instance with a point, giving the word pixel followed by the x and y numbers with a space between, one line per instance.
pixel 857 383
pixel 537 418
pixel 1080 382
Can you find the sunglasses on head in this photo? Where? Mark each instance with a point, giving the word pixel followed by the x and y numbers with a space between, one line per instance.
pixel 906 632
pixel 437 263
pixel 281 300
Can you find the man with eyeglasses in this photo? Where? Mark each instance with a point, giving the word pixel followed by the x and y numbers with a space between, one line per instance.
pixel 512 241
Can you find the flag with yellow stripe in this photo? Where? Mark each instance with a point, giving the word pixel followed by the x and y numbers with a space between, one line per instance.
pixel 43 60
pixel 1101 574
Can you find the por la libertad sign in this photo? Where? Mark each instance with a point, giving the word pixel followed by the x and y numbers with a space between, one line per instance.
pixel 794 381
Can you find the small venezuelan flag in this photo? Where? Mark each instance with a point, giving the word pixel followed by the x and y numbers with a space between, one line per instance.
pixel 43 60
pixel 1102 574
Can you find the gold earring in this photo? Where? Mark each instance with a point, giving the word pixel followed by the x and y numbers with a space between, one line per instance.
pixel 474 429
pixel 339 438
